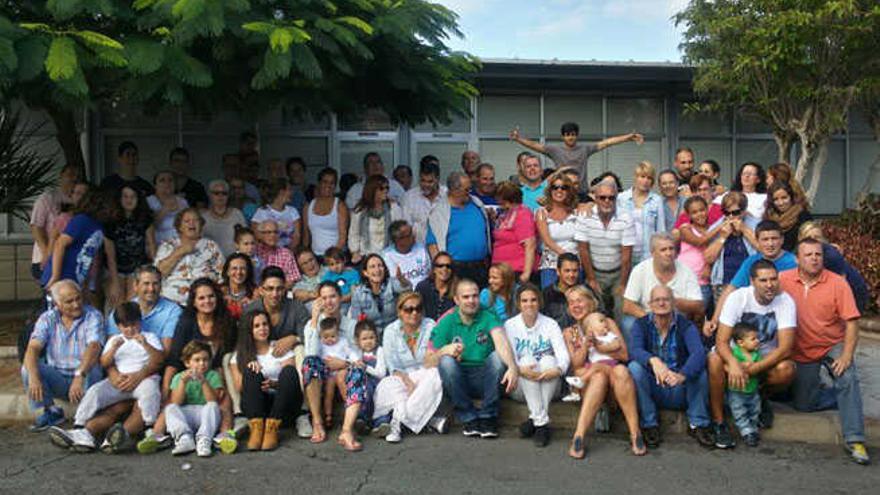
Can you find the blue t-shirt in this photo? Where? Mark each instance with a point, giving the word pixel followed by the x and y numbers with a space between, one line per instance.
pixel 488 200
pixel 530 196
pixel 161 320
pixel 785 262
pixel 345 280
pixel 499 308
pixel 466 238
pixel 88 239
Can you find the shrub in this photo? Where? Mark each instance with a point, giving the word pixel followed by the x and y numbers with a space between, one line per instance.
pixel 857 234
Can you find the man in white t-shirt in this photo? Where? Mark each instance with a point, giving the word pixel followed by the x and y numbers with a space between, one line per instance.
pixel 373 166
pixel 661 269
pixel 406 255
pixel 418 201
pixel 774 314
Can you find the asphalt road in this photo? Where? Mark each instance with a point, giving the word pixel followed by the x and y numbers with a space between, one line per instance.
pixel 437 464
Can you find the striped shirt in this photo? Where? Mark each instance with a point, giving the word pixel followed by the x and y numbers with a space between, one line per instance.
pixel 65 348
pixel 606 242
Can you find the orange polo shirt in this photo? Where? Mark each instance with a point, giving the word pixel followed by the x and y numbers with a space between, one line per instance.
pixel 822 312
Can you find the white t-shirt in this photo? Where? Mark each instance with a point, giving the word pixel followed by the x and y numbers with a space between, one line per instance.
pixel 415 265
pixel 375 361
pixel 131 356
pixel 596 356
pixel 741 306
pixel 642 280
pixel 532 344
pixel 757 203
pixel 270 366
pixel 340 349
pixel 286 220
pixel 165 227
pixel 395 192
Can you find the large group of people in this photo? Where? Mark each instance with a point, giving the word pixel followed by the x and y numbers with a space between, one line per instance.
pixel 176 313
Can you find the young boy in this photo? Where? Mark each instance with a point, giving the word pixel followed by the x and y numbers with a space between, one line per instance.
pixel 345 278
pixel 745 403
pixel 138 357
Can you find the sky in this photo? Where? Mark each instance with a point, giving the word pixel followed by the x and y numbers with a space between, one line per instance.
pixel 606 30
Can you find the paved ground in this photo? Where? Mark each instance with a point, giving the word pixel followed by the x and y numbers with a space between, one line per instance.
pixel 437 464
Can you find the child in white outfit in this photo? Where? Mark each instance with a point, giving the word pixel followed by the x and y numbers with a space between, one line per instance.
pixel 334 346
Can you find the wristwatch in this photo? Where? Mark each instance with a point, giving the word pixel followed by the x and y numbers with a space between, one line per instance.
pixel 79 373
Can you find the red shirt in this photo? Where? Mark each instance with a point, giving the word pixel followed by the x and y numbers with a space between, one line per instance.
pixel 511 231
pixel 280 257
pixel 714 214
pixel 822 312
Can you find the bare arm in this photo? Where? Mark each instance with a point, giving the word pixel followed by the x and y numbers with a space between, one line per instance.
pixel 41 237
pixel 633 308
pixel 623 138
pixel 502 347
pixel 237 379
pixel 178 395
pixel 108 357
pixel 342 219
pixel 774 357
pixel 32 365
pixel 694 310
pixel 211 395
pixel 297 234
pixel 306 235
pixel 61 244
pixel 528 143
pixel 529 264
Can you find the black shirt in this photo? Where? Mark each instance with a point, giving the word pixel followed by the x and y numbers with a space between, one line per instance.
pixel 433 304
pixel 194 193
pixel 115 182
pixel 188 330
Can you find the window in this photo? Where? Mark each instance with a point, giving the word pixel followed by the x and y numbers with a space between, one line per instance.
pixel 586 112
pixel 449 154
pixel 642 115
pixel 501 154
pixel 499 114
pixel 352 155
pixel 714 149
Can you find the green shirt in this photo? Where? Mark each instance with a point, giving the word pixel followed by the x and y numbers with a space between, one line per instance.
pixel 476 337
pixel 742 357
pixel 194 394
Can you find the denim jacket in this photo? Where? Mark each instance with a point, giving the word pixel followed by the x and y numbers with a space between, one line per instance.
pixel 381 308
pixel 653 220
pixel 398 356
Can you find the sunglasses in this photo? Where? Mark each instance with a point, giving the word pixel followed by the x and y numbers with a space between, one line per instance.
pixel 412 309
pixel 733 212
pixel 443 265
pixel 606 198
pixel 559 187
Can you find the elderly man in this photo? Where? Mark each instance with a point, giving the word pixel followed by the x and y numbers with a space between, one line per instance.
pixel 484 184
pixel 405 255
pixel 662 268
pixel 272 254
pixel 684 166
pixel 531 180
pixel 605 240
pixel 220 218
pixel 669 368
pixel 192 190
pixel 72 334
pixel 828 332
pixel 372 166
pixel 418 202
pixel 471 349
pixel 469 162
pixel 46 209
pixel 461 227
pixel 773 313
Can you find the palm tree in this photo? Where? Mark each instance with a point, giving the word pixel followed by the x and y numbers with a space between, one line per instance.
pixel 24 173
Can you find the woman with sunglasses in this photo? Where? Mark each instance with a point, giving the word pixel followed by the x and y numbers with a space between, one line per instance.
pixel 437 289
pixel 411 393
pixel 734 242
pixel 220 218
pixel 556 220
pixel 645 207
pixel 371 218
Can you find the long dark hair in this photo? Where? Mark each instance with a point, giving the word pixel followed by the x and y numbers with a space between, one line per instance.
pixel 98 204
pixel 249 284
pixel 246 348
pixel 224 327
pixel 142 213
pixel 371 186
pixel 762 178
pixel 364 280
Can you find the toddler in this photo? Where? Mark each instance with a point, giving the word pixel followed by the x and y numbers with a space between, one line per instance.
pixel 745 403
pixel 246 243
pixel 597 334
pixel 367 368
pixel 335 346
pixel 345 278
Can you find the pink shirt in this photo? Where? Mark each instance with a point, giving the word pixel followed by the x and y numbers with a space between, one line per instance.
pixel 715 213
pixel 46 208
pixel 511 231
pixel 692 257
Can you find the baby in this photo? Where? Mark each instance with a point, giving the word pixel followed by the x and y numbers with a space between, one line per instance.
pixel 332 346
pixel 602 342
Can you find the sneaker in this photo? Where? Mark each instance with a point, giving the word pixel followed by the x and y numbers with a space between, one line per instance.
pixel 602 423
pixel 226 442
pixel 393 435
pixel 471 429
pixel 858 453
pixel 152 443
pixel 527 429
pixel 183 445
pixel 117 440
pixel 752 439
pixel 439 424
pixel 574 381
pixel 52 416
pixel 723 438
pixel 60 437
pixel 703 435
pixel 652 437
pixel 572 397
pixel 488 428
pixel 303 426
pixel 204 447
pixel 543 435
pixel 381 430
pixel 83 441
pixel 765 417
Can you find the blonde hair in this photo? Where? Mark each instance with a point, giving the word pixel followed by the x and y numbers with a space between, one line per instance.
pixel 406 296
pixel 809 225
pixel 571 199
pixel 646 168
pixel 582 291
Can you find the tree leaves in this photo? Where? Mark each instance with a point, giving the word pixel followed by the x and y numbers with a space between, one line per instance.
pixel 144 56
pixel 62 62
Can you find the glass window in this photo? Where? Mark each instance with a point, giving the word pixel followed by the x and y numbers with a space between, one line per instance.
pixel 123 116
pixel 312 150
pixel 206 154
pixel 623 158
pixel 858 123
pixel 643 115
pixel 501 154
pixel 152 151
pixel 458 124
pixel 500 114
pixel 863 153
pixel 448 153
pixel 715 149
pixel 304 122
pixel 368 120
pixel 701 123
pixel 747 124
pixel 352 155
pixel 586 112
pixel 230 122
pixel 763 152
pixel 830 198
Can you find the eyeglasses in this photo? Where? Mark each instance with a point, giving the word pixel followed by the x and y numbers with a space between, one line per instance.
pixel 443 265
pixel 412 309
pixel 606 198
pixel 220 193
pixel 559 187
pixel 733 212
pixel 268 231
pixel 662 300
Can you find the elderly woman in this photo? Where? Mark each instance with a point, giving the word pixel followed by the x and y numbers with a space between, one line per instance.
pixel 437 290
pixel 371 219
pixel 374 298
pixel 220 218
pixel 278 210
pixel 165 205
pixel 411 392
pixel 542 359
pixel 784 208
pixel 556 222
pixel 325 219
pixel 513 235
pixel 187 257
pixel 596 378
pixel 673 201
pixel 646 209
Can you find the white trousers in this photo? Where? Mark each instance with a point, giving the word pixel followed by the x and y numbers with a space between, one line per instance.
pixel 182 420
pixel 104 394
pixel 412 410
pixel 537 395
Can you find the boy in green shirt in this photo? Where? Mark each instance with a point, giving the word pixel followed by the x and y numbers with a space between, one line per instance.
pixel 745 403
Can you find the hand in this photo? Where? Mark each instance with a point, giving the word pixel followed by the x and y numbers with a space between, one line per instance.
pixel 685 190
pixel 709 328
pixel 530 372
pixel 619 289
pixel 726 229
pixel 76 391
pixel 400 277
pixel 283 346
pixel 594 284
pixel 660 370
pixel 317 307
pixel 254 366
pixel 736 376
pixel 637 138
pixel 115 377
pixel 585 209
pixel 335 363
pixel 51 282
pixel 266 385
pixel 195 375
pixel 514 134
pixel 35 389
pixel 453 349
pixel 841 364
pixel 140 339
pixel 674 379
pixel 509 380
pixel 132 381
pixel 410 385
pixel 115 293
pixel 524 278
pixel 117 342
pixel 359 364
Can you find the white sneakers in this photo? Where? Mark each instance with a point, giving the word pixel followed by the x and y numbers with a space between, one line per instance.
pixel 204 446
pixel 440 424
pixel 77 439
pixel 184 445
pixel 394 435
pixel 303 426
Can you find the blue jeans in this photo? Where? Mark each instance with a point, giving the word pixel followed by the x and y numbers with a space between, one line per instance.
pixel 708 299
pixel 462 384
pixel 626 325
pixel 692 396
pixel 845 395
pixel 56 384
pixel 745 409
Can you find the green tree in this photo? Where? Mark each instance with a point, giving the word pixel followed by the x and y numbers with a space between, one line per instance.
pixel 798 65
pixel 309 56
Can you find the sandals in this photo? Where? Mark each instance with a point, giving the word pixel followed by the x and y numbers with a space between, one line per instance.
pixel 577 449
pixel 318 434
pixel 638 446
pixel 349 443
